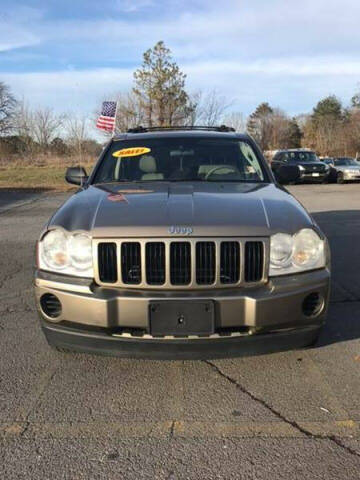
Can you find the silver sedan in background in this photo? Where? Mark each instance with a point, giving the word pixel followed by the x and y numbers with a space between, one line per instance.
pixel 343 169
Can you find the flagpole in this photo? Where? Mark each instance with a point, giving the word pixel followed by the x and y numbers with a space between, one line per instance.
pixel 116 109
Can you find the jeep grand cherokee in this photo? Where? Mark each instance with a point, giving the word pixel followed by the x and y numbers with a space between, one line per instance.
pixel 181 244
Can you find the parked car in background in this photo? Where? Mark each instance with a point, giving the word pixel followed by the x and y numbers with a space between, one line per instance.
pixel 310 166
pixel 347 169
pixel 332 170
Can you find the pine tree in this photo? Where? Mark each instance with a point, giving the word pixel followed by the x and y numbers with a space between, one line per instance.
pixel 294 134
pixel 329 107
pixel 259 125
pixel 160 88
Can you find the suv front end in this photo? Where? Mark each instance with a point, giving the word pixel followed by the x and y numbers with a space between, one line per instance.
pixel 233 276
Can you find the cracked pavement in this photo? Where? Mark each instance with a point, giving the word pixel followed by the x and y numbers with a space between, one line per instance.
pixel 287 415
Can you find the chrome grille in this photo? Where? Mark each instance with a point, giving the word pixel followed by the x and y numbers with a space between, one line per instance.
pixel 181 264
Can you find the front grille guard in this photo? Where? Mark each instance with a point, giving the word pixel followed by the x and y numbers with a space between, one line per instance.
pixel 193 283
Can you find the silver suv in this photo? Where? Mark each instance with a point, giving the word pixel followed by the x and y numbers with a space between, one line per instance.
pixel 181 244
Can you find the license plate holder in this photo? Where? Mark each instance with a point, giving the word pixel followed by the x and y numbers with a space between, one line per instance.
pixel 316 174
pixel 182 318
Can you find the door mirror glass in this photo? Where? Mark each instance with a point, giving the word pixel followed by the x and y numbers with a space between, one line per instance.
pixel 76 175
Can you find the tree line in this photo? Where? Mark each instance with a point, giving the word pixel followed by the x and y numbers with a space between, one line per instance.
pixel 330 129
pixel 26 132
pixel 159 97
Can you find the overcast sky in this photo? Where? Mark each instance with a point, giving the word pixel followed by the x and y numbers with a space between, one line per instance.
pixel 69 54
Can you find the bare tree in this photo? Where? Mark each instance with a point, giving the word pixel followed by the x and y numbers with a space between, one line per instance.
pixel 130 112
pixel 23 122
pixel 7 109
pixel 46 126
pixel 24 127
pixel 208 108
pixel 235 120
pixel 76 129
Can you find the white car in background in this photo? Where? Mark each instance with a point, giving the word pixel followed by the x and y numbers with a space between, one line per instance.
pixel 347 169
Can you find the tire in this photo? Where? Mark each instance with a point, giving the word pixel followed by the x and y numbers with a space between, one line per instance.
pixel 340 178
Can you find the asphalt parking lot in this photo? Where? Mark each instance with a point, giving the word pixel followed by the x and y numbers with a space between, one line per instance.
pixel 292 415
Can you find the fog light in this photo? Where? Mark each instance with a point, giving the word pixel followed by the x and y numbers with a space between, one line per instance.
pixel 50 305
pixel 313 304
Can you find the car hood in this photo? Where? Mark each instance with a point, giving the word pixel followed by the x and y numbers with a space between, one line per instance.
pixel 210 209
pixel 346 168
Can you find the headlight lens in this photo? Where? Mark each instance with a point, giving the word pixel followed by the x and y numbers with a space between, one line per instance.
pixel 281 249
pixel 62 252
pixel 291 254
pixel 80 251
pixel 308 248
pixel 54 250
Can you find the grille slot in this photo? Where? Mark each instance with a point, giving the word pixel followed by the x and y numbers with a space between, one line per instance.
pixel 229 262
pixel 131 263
pixel 205 263
pixel 180 263
pixel 155 263
pixel 107 255
pixel 254 261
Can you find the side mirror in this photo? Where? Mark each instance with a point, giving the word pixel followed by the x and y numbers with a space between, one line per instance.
pixel 76 175
pixel 287 174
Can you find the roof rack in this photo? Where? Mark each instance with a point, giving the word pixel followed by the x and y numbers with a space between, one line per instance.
pixel 221 128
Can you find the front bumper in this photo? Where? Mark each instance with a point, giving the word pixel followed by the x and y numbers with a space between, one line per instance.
pixel 352 177
pixel 100 343
pixel 309 177
pixel 247 320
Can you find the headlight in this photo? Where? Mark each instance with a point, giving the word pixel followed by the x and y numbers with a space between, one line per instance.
pixel 80 251
pixel 301 168
pixel 62 252
pixel 54 250
pixel 291 254
pixel 308 248
pixel 281 249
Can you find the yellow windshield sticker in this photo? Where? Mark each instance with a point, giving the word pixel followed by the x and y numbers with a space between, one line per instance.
pixel 131 152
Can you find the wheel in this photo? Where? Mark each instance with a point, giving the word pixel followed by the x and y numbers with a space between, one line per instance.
pixel 340 178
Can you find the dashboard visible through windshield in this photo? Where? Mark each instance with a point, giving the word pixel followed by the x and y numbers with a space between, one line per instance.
pixel 180 159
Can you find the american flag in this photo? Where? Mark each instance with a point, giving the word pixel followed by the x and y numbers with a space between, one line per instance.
pixel 106 121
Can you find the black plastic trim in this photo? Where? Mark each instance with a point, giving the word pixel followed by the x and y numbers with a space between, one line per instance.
pixel 100 343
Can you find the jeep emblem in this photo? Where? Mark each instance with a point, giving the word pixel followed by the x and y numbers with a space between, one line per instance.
pixel 180 230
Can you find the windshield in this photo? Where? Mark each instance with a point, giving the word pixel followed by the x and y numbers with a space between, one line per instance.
pixel 301 157
pixel 346 162
pixel 180 159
